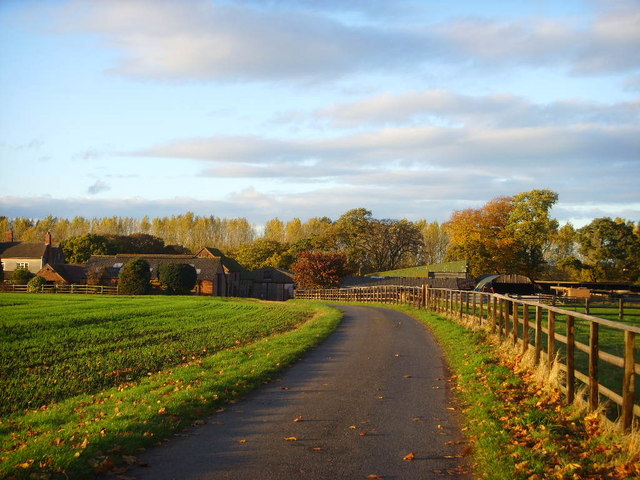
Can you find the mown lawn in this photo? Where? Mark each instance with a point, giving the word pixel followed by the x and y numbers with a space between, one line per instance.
pixel 86 381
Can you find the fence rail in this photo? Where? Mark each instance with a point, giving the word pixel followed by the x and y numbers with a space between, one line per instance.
pixel 85 289
pixel 569 338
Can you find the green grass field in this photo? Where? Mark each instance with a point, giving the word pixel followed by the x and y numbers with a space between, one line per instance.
pixel 86 380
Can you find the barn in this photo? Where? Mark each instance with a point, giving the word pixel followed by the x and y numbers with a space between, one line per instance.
pixel 512 284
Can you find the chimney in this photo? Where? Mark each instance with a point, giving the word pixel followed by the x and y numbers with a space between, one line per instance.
pixel 47 238
pixel 8 236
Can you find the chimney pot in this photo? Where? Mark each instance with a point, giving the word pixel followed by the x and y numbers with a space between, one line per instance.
pixel 47 239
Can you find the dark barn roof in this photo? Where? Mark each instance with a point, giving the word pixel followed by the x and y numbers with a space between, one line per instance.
pixel 206 268
pixel 505 283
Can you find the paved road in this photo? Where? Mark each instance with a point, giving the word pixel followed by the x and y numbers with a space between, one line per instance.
pixel 371 394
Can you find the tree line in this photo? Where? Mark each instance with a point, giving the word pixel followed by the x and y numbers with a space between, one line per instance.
pixel 513 234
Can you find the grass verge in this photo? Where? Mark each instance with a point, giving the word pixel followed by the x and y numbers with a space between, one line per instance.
pixel 518 428
pixel 102 432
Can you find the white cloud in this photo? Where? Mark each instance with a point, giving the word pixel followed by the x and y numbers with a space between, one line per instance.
pixel 98 186
pixel 441 106
pixel 206 41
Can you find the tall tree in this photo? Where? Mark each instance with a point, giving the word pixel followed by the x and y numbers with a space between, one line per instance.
pixel 480 237
pixel 79 249
pixel 610 248
pixel 532 228
pixel 261 253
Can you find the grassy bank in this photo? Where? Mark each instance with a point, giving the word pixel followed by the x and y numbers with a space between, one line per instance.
pixel 141 369
pixel 517 428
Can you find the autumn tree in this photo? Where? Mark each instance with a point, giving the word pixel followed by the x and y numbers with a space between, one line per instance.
pixel 387 242
pixel 562 256
pixel 134 277
pixel 261 253
pixel 480 237
pixel 319 269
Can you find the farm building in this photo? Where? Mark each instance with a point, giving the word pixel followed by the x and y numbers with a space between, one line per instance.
pixel 271 284
pixel 65 273
pixel 236 275
pixel 210 273
pixel 30 255
pixel 505 284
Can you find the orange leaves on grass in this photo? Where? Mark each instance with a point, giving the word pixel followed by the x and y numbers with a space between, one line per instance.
pixel 290 439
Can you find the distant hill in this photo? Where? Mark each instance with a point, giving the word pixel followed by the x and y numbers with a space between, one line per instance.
pixel 459 266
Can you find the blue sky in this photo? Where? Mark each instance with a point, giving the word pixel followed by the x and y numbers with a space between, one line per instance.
pixel 301 108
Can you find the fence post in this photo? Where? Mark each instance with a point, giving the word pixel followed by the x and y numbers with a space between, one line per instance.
pixel 586 306
pixel 494 310
pixel 500 317
pixel 525 328
pixel 551 341
pixel 621 309
pixel 538 340
pixel 628 388
pixel 571 345
pixel 594 348
pixel 516 322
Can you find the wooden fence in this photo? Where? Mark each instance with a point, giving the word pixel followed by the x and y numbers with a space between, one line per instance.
pixel 569 338
pixel 87 289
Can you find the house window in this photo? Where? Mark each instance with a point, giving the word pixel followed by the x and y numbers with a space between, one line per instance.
pixel 22 265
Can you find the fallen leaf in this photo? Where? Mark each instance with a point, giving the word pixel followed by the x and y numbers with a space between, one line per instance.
pixel 363 434
pixel 297 419
pixel 407 376
pixel 162 411
pixel 129 459
pixel 26 464
pixel 352 427
pixel 375 476
pixel 290 439
pixel 409 457
pixel 285 388
pixel 242 441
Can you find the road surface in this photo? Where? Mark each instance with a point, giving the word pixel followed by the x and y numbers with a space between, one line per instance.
pixel 373 393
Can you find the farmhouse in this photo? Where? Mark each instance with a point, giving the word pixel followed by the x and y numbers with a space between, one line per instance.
pixel 30 255
pixel 210 273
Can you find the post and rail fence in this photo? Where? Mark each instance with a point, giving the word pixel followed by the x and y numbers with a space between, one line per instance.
pixel 569 338
pixel 84 289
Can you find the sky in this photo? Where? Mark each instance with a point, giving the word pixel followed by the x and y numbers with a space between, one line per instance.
pixel 305 108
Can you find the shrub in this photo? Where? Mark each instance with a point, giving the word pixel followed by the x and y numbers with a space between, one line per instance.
pixel 134 277
pixel 177 277
pixel 21 276
pixel 35 284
